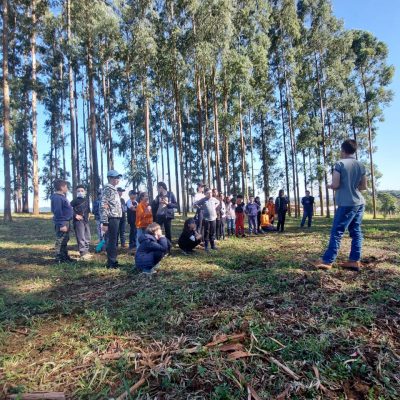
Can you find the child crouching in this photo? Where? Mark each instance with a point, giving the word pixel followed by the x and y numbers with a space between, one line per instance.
pixel 189 238
pixel 153 246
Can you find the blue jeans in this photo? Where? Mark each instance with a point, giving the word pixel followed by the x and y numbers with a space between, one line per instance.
pixel 307 214
pixel 230 224
pixel 139 233
pixel 349 218
pixel 252 223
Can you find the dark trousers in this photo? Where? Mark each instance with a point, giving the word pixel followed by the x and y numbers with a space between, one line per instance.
pixel 112 241
pixel 307 214
pixel 121 231
pixel 189 245
pixel 259 221
pixel 252 223
pixel 60 247
pixel 281 221
pixel 82 233
pixel 200 223
pixel 209 233
pixel 132 236
pixel 220 228
pixel 165 222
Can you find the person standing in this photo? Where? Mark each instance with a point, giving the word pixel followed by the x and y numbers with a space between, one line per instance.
pixel 198 210
pixel 258 202
pixel 122 222
pixel 221 218
pixel 97 217
pixel 81 222
pixel 163 207
pixel 131 206
pixel 239 214
pixel 62 215
pixel 230 215
pixel 251 211
pixel 281 207
pixel 348 180
pixel 308 209
pixel 111 213
pixel 210 207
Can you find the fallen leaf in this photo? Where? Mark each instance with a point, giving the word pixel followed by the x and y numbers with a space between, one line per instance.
pixel 238 354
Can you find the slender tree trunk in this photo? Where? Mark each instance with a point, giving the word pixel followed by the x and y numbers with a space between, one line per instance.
pixel 264 156
pixel 73 132
pixel 200 123
pixel 62 134
pixel 85 134
pixel 226 147
pixel 242 150
pixel 208 149
pixel 371 162
pixel 147 133
pixel 95 184
pixel 110 133
pixel 35 156
pixel 105 117
pixel 232 153
pixel 6 119
pixel 175 142
pixel 304 169
pixel 167 150
pixel 253 187
pixel 77 144
pixel 216 133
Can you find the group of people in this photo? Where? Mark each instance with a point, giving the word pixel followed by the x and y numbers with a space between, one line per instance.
pixel 216 216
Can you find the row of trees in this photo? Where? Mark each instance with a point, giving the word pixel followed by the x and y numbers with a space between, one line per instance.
pixel 186 91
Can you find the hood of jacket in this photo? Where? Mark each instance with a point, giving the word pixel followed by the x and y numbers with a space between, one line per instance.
pixel 147 237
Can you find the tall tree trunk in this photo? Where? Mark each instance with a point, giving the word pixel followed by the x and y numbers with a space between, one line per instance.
pixel 200 123
pixel 371 162
pixel 208 147
pixel 216 133
pixel 167 141
pixel 73 133
pixel 253 187
pixel 175 142
pixel 226 145
pixel 77 144
pixel 242 150
pixel 105 117
pixel 178 116
pixel 264 156
pixel 62 134
pixel 110 135
pixel 6 119
pixel 95 184
pixel 147 133
pixel 304 169
pixel 84 105
pixel 323 136
pixel 35 156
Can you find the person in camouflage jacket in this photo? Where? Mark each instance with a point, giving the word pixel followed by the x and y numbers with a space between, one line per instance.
pixel 111 213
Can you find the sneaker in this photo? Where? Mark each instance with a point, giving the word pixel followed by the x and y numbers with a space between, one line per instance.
pixel 148 273
pixel 320 264
pixel 352 265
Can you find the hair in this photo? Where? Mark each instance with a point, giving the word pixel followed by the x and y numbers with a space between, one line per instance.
pixel 188 222
pixel 281 192
pixel 206 190
pixel 59 184
pixel 132 193
pixel 271 198
pixel 163 185
pixel 153 228
pixel 264 210
pixel 349 146
pixel 239 196
pixel 141 195
pixel 81 187
pixel 307 191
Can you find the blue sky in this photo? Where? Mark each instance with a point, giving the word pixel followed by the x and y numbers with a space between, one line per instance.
pixel 379 17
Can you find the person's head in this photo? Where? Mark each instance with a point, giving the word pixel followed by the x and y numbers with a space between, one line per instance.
pixel 307 192
pixel 144 197
pixel 348 147
pixel 215 193
pixel 154 230
pixel 239 199
pixel 221 196
pixel 257 199
pixel 200 187
pixel 113 177
pixel 132 195
pixel 162 188
pixel 264 210
pixel 190 225
pixel 80 191
pixel 61 186
pixel 208 192
pixel 251 199
pixel 281 193
pixel 271 199
pixel 120 191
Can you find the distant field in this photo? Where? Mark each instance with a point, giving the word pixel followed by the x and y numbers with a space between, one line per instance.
pixel 253 319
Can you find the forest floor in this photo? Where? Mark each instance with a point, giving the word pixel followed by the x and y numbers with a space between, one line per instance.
pixel 251 321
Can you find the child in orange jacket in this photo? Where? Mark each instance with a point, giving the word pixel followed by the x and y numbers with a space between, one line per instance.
pixel 144 216
pixel 270 206
pixel 266 226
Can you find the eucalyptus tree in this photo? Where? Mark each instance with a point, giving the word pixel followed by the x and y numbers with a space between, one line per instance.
pixel 374 76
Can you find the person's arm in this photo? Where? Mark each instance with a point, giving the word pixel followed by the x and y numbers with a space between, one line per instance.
pixel 104 210
pixel 172 201
pixel 335 180
pixel 200 202
pixel 363 183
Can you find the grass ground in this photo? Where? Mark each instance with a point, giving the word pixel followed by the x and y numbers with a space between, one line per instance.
pixel 300 334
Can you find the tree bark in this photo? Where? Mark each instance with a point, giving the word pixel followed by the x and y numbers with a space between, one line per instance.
pixel 242 150
pixel 6 119
pixel 253 187
pixel 35 156
pixel 216 133
pixel 147 133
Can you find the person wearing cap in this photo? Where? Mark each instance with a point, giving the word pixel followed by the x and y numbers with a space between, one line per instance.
pixel 131 206
pixel 97 217
pixel 122 222
pixel 111 213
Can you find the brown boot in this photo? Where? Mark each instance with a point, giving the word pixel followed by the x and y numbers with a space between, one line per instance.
pixel 320 264
pixel 351 265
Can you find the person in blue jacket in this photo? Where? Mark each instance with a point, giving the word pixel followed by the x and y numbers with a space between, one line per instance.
pixel 308 209
pixel 62 215
pixel 251 211
pixel 153 246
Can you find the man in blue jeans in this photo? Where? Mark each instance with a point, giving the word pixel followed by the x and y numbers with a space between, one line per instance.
pixel 348 179
pixel 308 209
